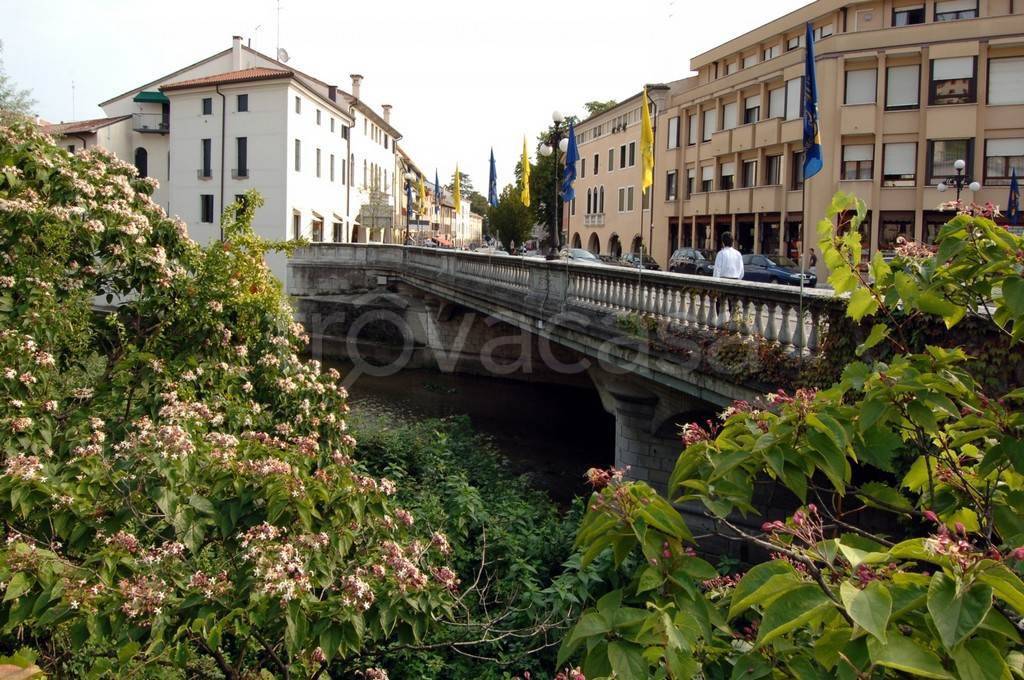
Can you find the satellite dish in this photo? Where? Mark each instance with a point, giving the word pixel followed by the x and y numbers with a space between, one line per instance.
pixel 282 55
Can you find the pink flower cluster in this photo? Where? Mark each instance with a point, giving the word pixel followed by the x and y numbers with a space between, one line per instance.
pixel 143 596
pixel 210 586
pixel 356 593
pixel 407 574
pixel 24 467
pixel 805 525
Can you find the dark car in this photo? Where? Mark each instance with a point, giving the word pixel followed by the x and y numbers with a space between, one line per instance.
pixel 635 259
pixel 775 269
pixel 690 261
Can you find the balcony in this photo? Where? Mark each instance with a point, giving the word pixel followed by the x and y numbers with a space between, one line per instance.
pixel 941 120
pixel 697 204
pixel 718 202
pixel 766 132
pixel 899 198
pixel 595 220
pixel 204 173
pixel 767 199
pixel 792 130
pixel 151 122
pixel 739 200
pixel 743 138
pixel 720 142
pixel 858 120
pixel 795 201
pixel 240 173
pixel 861 188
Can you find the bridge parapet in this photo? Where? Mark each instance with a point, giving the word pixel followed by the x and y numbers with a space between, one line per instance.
pixel 543 289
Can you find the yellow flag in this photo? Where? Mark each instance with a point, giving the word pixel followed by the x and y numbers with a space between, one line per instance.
pixel 525 195
pixel 458 190
pixel 646 145
pixel 422 191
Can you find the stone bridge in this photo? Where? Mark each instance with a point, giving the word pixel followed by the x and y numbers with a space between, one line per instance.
pixel 660 348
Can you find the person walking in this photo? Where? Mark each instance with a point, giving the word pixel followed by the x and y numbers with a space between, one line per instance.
pixel 812 264
pixel 728 261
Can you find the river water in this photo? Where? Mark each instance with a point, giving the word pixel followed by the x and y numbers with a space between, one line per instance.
pixel 552 433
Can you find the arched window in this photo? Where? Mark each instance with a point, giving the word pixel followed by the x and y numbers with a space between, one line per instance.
pixel 600 208
pixel 588 202
pixel 142 162
pixel 594 245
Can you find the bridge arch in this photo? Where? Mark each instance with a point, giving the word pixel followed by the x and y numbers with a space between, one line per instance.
pixel 614 246
pixel 594 244
pixel 576 240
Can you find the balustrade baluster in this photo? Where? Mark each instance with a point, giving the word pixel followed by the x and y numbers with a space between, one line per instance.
pixel 812 336
pixel 785 334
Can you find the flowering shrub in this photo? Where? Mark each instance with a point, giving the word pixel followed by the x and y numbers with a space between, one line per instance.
pixel 178 487
pixel 877 574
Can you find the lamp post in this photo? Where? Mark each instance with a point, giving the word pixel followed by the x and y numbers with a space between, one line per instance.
pixel 555 140
pixel 959 182
pixel 410 177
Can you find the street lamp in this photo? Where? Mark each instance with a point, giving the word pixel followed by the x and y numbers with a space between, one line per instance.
pixel 555 140
pixel 959 182
pixel 410 177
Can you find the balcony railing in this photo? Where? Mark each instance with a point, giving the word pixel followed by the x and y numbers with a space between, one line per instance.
pixel 151 122
pixel 204 173
pixel 239 173
pixel 595 220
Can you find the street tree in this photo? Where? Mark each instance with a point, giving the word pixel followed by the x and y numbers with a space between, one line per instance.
pixel 13 99
pixel 510 220
pixel 595 107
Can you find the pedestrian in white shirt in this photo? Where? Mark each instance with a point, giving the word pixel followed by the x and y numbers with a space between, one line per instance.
pixel 728 261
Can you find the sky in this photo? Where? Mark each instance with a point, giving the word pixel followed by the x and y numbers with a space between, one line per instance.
pixel 463 76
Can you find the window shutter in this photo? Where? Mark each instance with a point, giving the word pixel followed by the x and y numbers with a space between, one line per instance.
pixel 753 101
pixel 902 86
pixel 707 172
pixel 777 103
pixel 860 86
pixel 943 6
pixel 1004 147
pixel 953 68
pixel 858 152
pixel 710 122
pixel 793 91
pixel 729 117
pixel 1006 81
pixel 728 169
pixel 693 129
pixel 900 159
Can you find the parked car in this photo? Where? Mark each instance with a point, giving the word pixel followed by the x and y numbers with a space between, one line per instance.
pixel 775 269
pixel 690 261
pixel 637 261
pixel 582 255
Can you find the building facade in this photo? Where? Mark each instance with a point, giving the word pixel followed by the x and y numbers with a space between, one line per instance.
pixel 905 87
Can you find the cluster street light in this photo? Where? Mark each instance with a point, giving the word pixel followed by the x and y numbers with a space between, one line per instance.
pixel 959 182
pixel 555 140
pixel 410 177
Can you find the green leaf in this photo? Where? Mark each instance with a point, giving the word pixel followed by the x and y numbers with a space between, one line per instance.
pixel 660 514
pixel 880 447
pixel 1007 585
pixel 956 614
pixel 627 660
pixel 792 610
pixel 650 578
pixel 869 608
pixel 879 332
pixel 127 652
pixel 903 654
pixel 19 585
pixel 978 659
pixel 744 592
pixel 751 667
pixel 861 304
pixel 1013 295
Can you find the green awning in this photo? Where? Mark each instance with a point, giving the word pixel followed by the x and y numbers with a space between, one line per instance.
pixel 152 97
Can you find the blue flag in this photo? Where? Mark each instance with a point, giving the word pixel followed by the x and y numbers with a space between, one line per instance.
pixel 492 184
pixel 1013 204
pixel 437 193
pixel 812 135
pixel 572 156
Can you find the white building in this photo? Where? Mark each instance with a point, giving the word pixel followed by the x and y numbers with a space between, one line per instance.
pixel 323 160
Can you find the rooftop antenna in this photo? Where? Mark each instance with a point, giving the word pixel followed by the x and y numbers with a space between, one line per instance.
pixel 254 32
pixel 282 55
pixel 279 27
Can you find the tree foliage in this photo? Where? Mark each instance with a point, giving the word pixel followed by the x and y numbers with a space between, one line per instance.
pixel 13 100
pixel 178 486
pixel 929 588
pixel 595 107
pixel 510 220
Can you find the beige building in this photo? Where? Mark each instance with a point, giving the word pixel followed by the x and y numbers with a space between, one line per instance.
pixel 905 88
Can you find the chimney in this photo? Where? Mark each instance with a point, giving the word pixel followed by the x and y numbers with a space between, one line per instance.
pixel 387 112
pixel 332 92
pixel 356 79
pixel 236 53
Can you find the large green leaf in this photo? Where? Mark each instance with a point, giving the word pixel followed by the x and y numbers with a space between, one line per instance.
pixel 955 612
pixel 744 592
pixel 903 654
pixel 792 610
pixel 879 332
pixel 978 659
pixel 1007 585
pixel 861 304
pixel 869 608
pixel 627 660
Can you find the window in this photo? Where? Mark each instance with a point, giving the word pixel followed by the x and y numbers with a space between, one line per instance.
pixel 611 159
pixel 951 10
pixel 1006 81
pixel 1002 156
pixel 645 199
pixel 318 115
pixel 142 161
pixel 823 31
pixel 318 161
pixel 296 226
pixel 732 67
pixel 242 203
pixel 242 102
pixel 583 168
pixel 750 60
pixel 670 185
pixel 632 154
pixel 207 106
pixel 318 230
pixel 752 109
pixel 794 42
pixel 773 170
pixel 622 156
pixel 908 15
pixel 336 228
pixel 952 81
pixel 71 148
pixel 344 132
pixel 691 129
pixel 597 158
pixel 600 204
pixel 691 175
pixel 861 86
pixel 794 91
pixel 749 177
pixel 673 132
pixel 899 165
pixel 797 175
pixel 242 156
pixel 344 171
pixel 207 159
pixel 858 161
pixel 902 86
pixel 942 153
pixel 625 199
pixel 298 106
pixel 298 156
pixel 331 166
pixel 770 52
pixel 710 124
pixel 728 176
pixel 893 225
pixel 206 208
pixel 707 178
pixel 729 115
pixel 332 123
pixel 777 103
pixel 589 203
